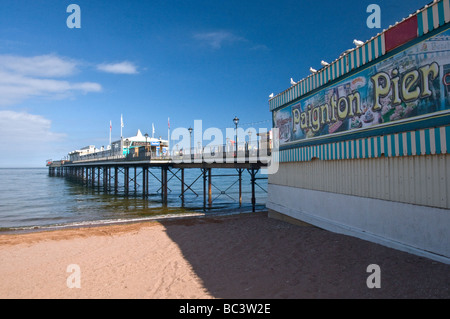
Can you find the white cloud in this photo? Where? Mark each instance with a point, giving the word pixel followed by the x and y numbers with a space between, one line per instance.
pixel 40 66
pixel 217 39
pixel 22 78
pixel 21 128
pixel 28 139
pixel 124 67
pixel 86 87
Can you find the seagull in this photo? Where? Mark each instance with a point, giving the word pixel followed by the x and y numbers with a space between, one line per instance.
pixel 358 43
pixel 346 52
pixel 324 63
pixel 271 95
pixel 312 70
pixel 293 82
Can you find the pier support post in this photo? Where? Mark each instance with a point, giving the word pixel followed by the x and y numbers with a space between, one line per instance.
pixel 204 188
pixel 116 178
pixel 240 186
pixel 182 187
pixel 209 188
pixel 144 182
pixel 135 181
pixel 108 174
pixel 105 178
pixel 125 180
pixel 164 184
pixel 253 179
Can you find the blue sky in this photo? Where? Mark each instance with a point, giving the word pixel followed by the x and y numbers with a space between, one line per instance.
pixel 151 60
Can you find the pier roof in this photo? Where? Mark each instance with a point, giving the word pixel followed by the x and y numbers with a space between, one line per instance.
pixel 417 24
pixel 139 137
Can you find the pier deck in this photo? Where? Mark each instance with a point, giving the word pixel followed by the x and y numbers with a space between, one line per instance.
pixel 105 172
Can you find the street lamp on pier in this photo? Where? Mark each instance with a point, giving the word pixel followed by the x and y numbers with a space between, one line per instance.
pixel 146 143
pixel 190 140
pixel 236 122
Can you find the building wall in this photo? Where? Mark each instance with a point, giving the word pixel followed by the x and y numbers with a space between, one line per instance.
pixel 417 229
pixel 419 180
pixel 361 154
pixel 400 201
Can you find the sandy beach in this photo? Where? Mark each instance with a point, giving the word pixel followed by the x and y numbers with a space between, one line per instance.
pixel 238 256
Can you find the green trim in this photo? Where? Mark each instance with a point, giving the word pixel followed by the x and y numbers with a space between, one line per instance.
pixel 412 124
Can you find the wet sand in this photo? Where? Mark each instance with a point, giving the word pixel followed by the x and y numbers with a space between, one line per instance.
pixel 238 256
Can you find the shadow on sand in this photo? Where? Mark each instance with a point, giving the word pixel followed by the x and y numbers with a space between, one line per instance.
pixel 253 256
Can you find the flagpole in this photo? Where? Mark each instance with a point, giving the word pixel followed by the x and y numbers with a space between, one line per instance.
pixel 110 128
pixel 168 136
pixel 121 125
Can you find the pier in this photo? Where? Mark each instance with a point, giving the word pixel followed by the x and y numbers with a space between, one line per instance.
pixel 136 168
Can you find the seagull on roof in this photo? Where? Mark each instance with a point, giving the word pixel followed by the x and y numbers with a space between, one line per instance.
pixel 293 82
pixel 312 70
pixel 271 96
pixel 346 52
pixel 358 43
pixel 324 63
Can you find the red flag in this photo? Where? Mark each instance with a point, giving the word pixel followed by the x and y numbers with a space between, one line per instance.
pixel 168 122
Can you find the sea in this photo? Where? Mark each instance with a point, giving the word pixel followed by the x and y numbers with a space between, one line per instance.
pixel 32 200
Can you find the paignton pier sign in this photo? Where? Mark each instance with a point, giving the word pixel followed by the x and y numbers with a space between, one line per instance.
pixel 410 84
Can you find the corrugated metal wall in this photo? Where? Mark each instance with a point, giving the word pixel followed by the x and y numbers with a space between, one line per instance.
pixel 422 180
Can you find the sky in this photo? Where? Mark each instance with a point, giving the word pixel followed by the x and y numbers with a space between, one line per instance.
pixel 153 60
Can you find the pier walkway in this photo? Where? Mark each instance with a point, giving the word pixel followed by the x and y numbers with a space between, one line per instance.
pixel 135 170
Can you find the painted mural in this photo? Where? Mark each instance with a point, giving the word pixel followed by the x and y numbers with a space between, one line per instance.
pixel 412 83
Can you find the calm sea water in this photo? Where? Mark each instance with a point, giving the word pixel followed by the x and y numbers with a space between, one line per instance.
pixel 31 199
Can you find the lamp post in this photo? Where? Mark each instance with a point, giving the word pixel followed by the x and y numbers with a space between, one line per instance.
pixel 146 144
pixel 190 141
pixel 236 122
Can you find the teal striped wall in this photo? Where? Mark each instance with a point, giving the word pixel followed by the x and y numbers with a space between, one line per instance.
pixel 428 18
pixel 420 142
